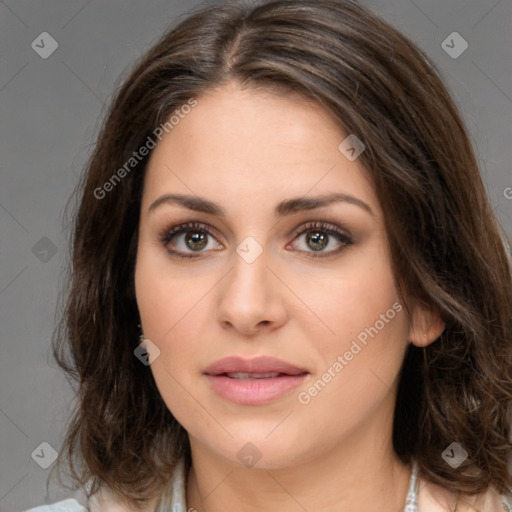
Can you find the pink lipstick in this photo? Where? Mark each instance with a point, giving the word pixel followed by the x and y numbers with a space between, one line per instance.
pixel 253 381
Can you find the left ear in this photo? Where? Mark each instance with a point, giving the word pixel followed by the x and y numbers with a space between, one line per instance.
pixel 426 326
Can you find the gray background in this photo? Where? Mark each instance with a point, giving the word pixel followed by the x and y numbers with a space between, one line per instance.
pixel 50 111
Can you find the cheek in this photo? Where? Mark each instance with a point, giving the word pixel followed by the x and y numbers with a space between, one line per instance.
pixel 368 347
pixel 358 298
pixel 166 299
pixel 167 313
pixel 362 308
pixel 357 368
pixel 169 307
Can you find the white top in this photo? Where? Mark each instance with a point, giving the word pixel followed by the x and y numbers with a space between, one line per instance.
pixel 174 497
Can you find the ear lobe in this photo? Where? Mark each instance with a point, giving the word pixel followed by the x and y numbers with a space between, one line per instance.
pixel 426 326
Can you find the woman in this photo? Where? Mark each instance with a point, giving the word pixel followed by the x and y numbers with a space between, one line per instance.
pixel 283 203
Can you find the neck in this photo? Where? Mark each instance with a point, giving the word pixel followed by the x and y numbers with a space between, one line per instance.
pixel 358 475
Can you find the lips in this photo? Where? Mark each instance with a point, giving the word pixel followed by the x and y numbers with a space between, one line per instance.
pixel 247 375
pixel 253 381
pixel 258 365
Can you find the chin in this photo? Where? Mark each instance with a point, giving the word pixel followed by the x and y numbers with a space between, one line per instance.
pixel 259 446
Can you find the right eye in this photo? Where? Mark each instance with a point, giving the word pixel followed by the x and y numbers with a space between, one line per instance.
pixel 195 239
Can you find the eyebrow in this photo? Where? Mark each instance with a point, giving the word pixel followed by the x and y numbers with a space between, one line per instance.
pixel 286 207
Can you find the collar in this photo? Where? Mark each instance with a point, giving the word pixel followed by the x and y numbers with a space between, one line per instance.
pixel 174 497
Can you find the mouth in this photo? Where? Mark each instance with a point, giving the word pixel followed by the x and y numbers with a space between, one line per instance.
pixel 253 381
pixel 247 375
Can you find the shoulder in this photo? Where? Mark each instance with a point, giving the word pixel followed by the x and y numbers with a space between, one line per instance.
pixel 433 498
pixel 69 505
pixel 173 497
pixel 105 500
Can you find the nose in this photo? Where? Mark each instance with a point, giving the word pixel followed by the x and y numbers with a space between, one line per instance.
pixel 251 298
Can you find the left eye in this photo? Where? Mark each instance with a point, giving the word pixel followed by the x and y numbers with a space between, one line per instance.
pixel 196 235
pixel 319 235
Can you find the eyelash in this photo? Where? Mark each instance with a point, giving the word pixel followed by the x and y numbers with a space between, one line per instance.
pixel 324 227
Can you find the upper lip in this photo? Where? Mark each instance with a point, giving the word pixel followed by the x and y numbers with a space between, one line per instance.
pixel 261 364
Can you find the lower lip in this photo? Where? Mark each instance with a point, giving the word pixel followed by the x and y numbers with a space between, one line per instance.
pixel 254 391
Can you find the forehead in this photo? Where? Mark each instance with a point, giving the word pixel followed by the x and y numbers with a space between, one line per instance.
pixel 244 145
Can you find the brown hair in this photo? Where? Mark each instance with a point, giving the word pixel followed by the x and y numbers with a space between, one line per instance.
pixel 447 249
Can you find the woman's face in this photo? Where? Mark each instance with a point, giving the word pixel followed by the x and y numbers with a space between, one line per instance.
pixel 265 279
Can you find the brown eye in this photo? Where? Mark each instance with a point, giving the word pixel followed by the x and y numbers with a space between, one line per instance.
pixel 318 240
pixel 188 238
pixel 195 240
pixel 319 235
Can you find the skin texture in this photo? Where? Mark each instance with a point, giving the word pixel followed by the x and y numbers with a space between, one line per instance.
pixel 248 150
